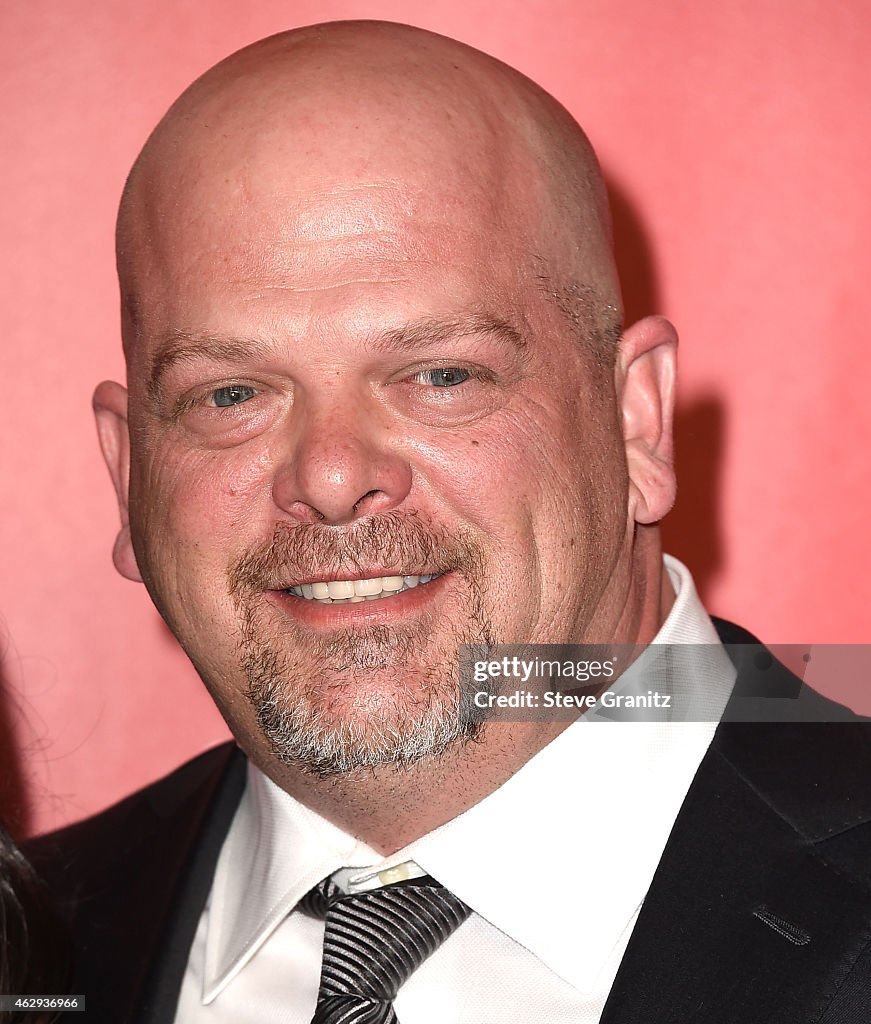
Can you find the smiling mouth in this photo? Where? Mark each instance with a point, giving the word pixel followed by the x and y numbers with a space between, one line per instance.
pixel 357 591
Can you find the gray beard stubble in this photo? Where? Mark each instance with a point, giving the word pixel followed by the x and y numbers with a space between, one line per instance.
pixel 291 686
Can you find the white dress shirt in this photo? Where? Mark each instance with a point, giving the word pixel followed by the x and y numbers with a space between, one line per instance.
pixel 555 865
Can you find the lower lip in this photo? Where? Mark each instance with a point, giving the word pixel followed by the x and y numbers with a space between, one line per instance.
pixel 404 603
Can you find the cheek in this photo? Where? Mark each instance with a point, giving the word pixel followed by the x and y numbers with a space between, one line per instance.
pixel 192 514
pixel 547 494
pixel 530 468
pixel 485 475
pixel 501 479
pixel 196 506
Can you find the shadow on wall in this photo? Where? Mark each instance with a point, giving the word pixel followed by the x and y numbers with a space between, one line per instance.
pixel 691 531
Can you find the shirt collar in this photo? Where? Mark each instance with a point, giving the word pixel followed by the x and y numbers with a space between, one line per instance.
pixel 559 857
pixel 276 850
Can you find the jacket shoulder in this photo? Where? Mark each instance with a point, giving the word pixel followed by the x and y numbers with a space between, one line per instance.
pixel 108 833
pixel 811 761
pixel 131 882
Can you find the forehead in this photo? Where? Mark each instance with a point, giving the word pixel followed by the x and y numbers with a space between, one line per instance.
pixel 277 236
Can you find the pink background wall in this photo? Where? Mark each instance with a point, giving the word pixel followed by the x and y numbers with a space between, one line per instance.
pixel 736 140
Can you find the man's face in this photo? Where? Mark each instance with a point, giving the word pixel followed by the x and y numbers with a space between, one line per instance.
pixel 361 436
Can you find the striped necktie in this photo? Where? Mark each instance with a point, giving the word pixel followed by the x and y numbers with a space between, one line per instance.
pixel 373 941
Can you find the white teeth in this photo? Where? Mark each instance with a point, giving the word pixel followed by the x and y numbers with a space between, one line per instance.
pixel 365 588
pixel 355 591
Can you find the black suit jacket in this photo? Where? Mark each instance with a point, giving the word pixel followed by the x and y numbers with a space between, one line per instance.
pixel 759 911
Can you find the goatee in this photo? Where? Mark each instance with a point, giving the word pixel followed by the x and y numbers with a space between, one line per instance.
pixel 336 702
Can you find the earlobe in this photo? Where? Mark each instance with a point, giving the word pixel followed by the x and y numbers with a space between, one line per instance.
pixel 110 412
pixel 646 373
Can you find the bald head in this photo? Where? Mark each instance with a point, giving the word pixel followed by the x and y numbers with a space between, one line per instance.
pixel 329 135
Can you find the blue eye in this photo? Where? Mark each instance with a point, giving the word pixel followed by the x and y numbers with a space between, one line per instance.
pixel 443 376
pixel 235 394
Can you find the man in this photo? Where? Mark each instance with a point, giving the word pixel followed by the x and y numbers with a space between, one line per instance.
pixel 382 405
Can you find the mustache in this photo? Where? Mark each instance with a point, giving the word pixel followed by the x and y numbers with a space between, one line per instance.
pixel 402 540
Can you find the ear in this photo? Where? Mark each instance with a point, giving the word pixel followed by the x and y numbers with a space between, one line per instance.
pixel 110 410
pixel 645 378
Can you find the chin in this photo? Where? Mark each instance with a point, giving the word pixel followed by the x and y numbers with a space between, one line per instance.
pixel 345 719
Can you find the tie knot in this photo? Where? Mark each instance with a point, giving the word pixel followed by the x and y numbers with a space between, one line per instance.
pixel 316 901
pixel 374 940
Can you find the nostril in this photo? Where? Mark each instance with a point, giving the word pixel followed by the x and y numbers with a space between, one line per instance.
pixel 306 513
pixel 365 500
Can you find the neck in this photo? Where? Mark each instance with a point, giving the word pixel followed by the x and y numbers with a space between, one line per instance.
pixel 389 807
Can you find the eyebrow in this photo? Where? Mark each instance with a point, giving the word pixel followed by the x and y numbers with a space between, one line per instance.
pixel 430 330
pixel 182 346
pixel 188 347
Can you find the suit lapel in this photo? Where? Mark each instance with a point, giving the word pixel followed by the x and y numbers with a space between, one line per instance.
pixel 189 867
pixel 132 881
pixel 760 905
pixel 745 920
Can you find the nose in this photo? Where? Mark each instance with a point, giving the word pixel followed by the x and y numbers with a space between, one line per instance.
pixel 339 466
